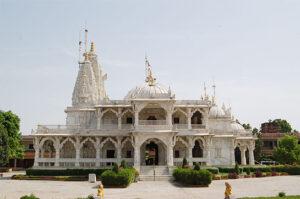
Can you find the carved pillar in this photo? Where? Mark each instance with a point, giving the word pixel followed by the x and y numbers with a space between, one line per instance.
pixel 170 159
pixel 57 149
pixel 232 153
pixel 37 151
pixel 119 149
pixel 190 151
pixel 97 152
pixel 189 118
pixel 119 118
pixel 208 148
pixel 136 118
pixel 251 155
pixel 99 118
pixel 243 155
pixel 137 156
pixel 77 147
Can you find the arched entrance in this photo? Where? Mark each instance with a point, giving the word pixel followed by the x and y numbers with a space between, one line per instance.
pixel 153 152
pixel 237 155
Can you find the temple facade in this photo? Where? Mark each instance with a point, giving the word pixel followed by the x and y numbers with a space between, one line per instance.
pixel 148 127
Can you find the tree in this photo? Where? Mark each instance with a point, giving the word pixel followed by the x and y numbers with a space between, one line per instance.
pixel 283 125
pixel 247 126
pixel 3 146
pixel 11 123
pixel 288 150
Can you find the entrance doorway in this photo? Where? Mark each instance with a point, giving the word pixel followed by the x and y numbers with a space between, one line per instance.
pixel 237 155
pixel 151 154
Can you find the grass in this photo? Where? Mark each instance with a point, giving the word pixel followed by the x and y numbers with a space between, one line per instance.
pixel 276 197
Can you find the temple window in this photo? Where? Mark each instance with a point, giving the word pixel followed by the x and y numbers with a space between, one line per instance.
pixel 176 120
pixel 177 154
pixel 110 154
pixel 129 120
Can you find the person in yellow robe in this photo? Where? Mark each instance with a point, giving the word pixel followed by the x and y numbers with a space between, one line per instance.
pixel 228 190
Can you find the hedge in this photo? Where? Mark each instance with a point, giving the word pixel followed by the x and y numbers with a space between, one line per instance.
pixel 123 178
pixel 290 169
pixel 54 178
pixel 64 172
pixel 192 177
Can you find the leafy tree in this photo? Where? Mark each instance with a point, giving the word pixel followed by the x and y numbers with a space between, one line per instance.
pixel 3 146
pixel 247 126
pixel 11 123
pixel 283 125
pixel 258 148
pixel 288 150
pixel 255 131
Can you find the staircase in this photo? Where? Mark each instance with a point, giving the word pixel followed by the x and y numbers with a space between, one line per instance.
pixel 161 173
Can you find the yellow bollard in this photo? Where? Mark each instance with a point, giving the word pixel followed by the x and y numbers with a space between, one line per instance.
pixel 100 193
pixel 228 190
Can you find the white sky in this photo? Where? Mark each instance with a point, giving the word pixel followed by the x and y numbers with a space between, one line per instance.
pixel 251 48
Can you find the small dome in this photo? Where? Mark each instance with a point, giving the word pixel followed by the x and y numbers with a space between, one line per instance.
pixel 147 91
pixel 235 127
pixel 215 112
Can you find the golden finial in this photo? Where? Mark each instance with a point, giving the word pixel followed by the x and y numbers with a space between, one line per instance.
pixel 149 79
pixel 92 50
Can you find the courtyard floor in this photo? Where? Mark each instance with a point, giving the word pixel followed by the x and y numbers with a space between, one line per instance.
pixel 269 186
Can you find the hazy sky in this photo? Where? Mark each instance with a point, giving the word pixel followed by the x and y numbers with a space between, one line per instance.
pixel 251 48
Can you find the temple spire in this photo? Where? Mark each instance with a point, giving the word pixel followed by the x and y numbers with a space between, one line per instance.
pixel 92 50
pixel 150 79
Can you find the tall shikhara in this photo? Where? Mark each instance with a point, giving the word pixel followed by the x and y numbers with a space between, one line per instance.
pixel 89 88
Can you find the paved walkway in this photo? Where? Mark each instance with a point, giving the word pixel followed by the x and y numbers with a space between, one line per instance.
pixel 270 186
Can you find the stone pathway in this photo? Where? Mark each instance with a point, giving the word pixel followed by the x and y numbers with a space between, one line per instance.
pixel 270 186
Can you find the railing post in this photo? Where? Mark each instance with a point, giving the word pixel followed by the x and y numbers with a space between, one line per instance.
pixel 189 119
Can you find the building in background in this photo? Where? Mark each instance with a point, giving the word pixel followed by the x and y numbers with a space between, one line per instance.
pixel 270 134
pixel 28 158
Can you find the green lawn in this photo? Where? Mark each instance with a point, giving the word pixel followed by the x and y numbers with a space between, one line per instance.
pixel 276 197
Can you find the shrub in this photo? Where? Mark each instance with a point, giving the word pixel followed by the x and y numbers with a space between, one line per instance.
pixel 197 166
pixel 258 173
pixel 31 196
pixel 184 163
pixel 115 167
pixel 237 169
pixel 228 170
pixel 123 164
pixel 123 178
pixel 281 194
pixel 233 175
pixel 200 177
pixel 213 170
pixel 64 172
pixel 247 170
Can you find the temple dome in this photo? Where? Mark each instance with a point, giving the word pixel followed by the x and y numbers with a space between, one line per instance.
pixel 236 127
pixel 216 112
pixel 150 91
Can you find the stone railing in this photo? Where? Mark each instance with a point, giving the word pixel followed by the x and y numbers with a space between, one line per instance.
pixel 83 162
pixel 178 161
pixel 198 126
pixel 152 122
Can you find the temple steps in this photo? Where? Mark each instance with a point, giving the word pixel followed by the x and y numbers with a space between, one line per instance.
pixel 161 173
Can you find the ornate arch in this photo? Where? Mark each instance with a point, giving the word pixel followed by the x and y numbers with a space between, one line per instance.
pixel 88 139
pixel 179 139
pixel 67 139
pixel 126 111
pixel 108 139
pixel 110 109
pixel 43 140
pixel 181 111
pixel 128 139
